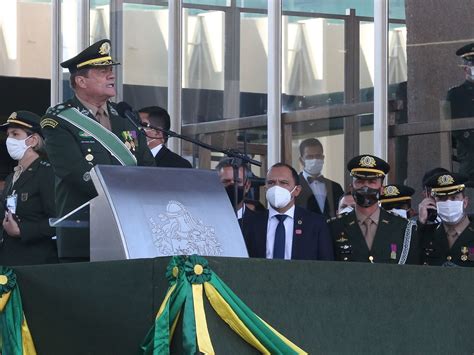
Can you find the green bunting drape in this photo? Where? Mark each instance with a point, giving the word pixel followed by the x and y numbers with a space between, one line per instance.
pixel 189 278
pixel 15 336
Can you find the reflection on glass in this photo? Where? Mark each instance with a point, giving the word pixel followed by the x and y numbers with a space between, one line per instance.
pixel 253 64
pixel 99 20
pixel 145 58
pixel 330 133
pixel 208 2
pixel 203 65
pixel 366 135
pixel 313 62
pixel 253 4
pixel 366 61
pixel 25 39
pixel 362 7
pixel 396 9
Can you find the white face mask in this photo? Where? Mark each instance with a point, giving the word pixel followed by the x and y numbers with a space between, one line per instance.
pixel 278 197
pixel 347 209
pixel 313 166
pixel 17 147
pixel 400 212
pixel 471 75
pixel 450 212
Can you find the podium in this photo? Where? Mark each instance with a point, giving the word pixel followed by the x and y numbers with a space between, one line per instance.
pixel 144 212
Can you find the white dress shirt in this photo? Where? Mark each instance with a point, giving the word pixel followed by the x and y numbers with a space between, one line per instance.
pixel 319 190
pixel 241 211
pixel 271 229
pixel 155 150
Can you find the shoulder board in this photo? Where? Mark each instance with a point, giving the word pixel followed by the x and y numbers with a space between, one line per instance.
pixel 54 110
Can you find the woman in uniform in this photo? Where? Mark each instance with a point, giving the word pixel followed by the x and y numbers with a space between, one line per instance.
pixel 28 196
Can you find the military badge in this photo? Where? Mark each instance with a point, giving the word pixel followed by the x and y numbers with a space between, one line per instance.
pixel 464 251
pixel 24 196
pixel 104 48
pixel 12 116
pixel 298 231
pixel 130 139
pixel 367 162
pixel 391 191
pixel 393 251
pixel 341 239
pixel 444 180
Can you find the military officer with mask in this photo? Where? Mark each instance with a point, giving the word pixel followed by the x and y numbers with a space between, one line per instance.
pixel 369 233
pixel 450 243
pixel 397 199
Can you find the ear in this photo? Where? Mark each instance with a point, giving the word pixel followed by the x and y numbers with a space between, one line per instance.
pixel 465 202
pixel 297 191
pixel 247 186
pixel 80 82
pixel 33 140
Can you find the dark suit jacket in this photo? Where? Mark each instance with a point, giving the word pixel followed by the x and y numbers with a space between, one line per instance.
pixel 35 205
pixel 307 200
pixel 166 158
pixel 314 242
pixel 350 244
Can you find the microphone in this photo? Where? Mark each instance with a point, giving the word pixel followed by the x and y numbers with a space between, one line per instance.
pixel 125 110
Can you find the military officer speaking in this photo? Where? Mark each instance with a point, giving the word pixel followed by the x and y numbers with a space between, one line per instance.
pixel 84 131
pixel 369 233
pixel 451 242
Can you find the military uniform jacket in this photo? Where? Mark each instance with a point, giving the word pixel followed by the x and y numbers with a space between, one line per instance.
pixel 35 205
pixel 73 153
pixel 461 99
pixel 435 247
pixel 350 244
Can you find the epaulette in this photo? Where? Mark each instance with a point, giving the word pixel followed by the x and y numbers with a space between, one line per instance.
pixel 55 110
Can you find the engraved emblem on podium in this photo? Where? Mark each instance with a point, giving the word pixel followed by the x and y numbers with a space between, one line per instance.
pixel 178 232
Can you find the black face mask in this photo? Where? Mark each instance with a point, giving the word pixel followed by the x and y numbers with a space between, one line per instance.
pixel 240 194
pixel 365 196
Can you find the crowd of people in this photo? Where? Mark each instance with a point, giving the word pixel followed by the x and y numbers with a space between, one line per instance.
pixel 309 217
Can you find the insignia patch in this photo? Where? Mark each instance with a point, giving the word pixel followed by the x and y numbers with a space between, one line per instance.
pixel 104 48
pixel 13 116
pixel 49 122
pixel 385 221
pixel 342 239
pixel 298 231
pixel 391 191
pixel 367 162
pixel 24 196
pixel 444 180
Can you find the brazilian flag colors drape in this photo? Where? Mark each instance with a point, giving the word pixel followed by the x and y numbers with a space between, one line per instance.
pixel 188 277
pixel 15 336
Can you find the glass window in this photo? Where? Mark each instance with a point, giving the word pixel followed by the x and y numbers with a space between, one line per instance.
pixel 99 20
pixel 208 2
pixel 313 62
pixel 253 4
pixel 145 57
pixel 362 7
pixel 253 64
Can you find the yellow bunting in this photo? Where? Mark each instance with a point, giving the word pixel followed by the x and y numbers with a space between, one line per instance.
pixel 26 339
pixel 4 300
pixel 163 304
pixel 3 280
pixel 228 315
pixel 202 333
pixel 285 340
pixel 198 269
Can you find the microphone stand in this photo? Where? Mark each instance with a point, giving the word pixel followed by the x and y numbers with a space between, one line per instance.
pixel 238 158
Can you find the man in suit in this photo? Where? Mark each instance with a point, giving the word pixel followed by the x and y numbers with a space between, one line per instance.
pixel 286 231
pixel 318 194
pixel 83 132
pixel 451 242
pixel 369 233
pixel 346 203
pixel 156 116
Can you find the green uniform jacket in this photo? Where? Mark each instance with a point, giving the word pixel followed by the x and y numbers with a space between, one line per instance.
pixel 350 244
pixel 435 247
pixel 72 154
pixel 35 205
